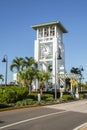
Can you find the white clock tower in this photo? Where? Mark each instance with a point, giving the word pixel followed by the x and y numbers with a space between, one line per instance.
pixel 49 48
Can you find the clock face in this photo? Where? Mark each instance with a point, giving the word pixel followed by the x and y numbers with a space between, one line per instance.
pixel 45 51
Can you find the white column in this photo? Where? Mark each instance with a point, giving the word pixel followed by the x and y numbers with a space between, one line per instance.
pixel 71 87
pixel 55 31
pixel 63 55
pixel 77 93
pixel 44 67
pixel 54 57
pixel 36 50
pixel 36 56
pixel 37 33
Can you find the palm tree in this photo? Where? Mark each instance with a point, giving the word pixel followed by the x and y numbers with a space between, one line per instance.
pixel 43 77
pixel 16 63
pixel 27 62
pixel 1 77
pixel 50 68
pixel 75 70
pixel 67 81
pixel 27 76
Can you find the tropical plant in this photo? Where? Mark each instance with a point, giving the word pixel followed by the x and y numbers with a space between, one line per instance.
pixel 17 64
pixel 75 70
pixel 1 77
pixel 67 81
pixel 12 94
pixel 27 76
pixel 43 77
pixel 78 71
pixel 27 62
pixel 27 71
pixel 50 68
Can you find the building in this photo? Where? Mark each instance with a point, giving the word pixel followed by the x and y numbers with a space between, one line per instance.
pixel 49 49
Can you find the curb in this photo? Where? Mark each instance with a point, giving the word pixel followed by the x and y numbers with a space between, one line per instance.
pixel 34 105
pixel 81 127
pixel 27 106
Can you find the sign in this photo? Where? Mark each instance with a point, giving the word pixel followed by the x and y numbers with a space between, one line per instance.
pixel 73 82
pixel 71 76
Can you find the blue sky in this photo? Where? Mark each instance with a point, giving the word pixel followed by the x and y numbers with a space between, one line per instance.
pixel 17 36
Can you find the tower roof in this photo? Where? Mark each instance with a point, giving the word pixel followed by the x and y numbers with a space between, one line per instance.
pixel 58 23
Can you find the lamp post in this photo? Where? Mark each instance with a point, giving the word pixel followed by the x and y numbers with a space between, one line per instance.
pixel 57 57
pixel 81 69
pixel 5 59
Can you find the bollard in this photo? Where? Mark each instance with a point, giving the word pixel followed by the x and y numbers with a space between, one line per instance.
pixel 39 97
pixel 61 91
pixel 61 94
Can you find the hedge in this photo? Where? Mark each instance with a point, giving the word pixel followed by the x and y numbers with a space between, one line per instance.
pixel 12 94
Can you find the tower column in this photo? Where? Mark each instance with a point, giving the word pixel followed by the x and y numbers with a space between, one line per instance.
pixel 48 45
pixel 55 46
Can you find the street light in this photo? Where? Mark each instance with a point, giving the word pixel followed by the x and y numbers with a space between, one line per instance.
pixel 57 57
pixel 5 59
pixel 81 69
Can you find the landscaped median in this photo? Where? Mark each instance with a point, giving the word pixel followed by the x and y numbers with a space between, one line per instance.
pixel 17 96
pixel 14 97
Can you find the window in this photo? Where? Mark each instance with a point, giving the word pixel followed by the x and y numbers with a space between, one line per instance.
pixel 46 32
pixel 40 32
pixel 52 31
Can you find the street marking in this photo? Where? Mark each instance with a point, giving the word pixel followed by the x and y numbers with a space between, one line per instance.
pixel 27 120
pixel 78 128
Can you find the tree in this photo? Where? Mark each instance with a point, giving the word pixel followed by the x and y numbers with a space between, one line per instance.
pixel 27 76
pixel 1 77
pixel 67 81
pixel 16 63
pixel 50 68
pixel 75 70
pixel 27 62
pixel 43 77
pixel 27 71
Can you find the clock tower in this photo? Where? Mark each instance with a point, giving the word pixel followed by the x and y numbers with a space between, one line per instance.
pixel 49 48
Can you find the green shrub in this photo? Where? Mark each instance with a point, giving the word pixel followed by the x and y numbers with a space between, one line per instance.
pixel 81 96
pixel 46 97
pixel 4 105
pixel 49 99
pixel 66 98
pixel 42 102
pixel 25 102
pixel 11 94
pixel 33 96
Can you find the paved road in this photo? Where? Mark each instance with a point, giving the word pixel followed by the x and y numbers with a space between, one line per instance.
pixel 64 116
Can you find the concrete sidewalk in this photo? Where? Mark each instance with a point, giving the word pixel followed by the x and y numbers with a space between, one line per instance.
pixel 83 127
pixel 77 106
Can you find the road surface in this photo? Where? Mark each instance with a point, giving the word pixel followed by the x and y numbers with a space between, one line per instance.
pixel 65 116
